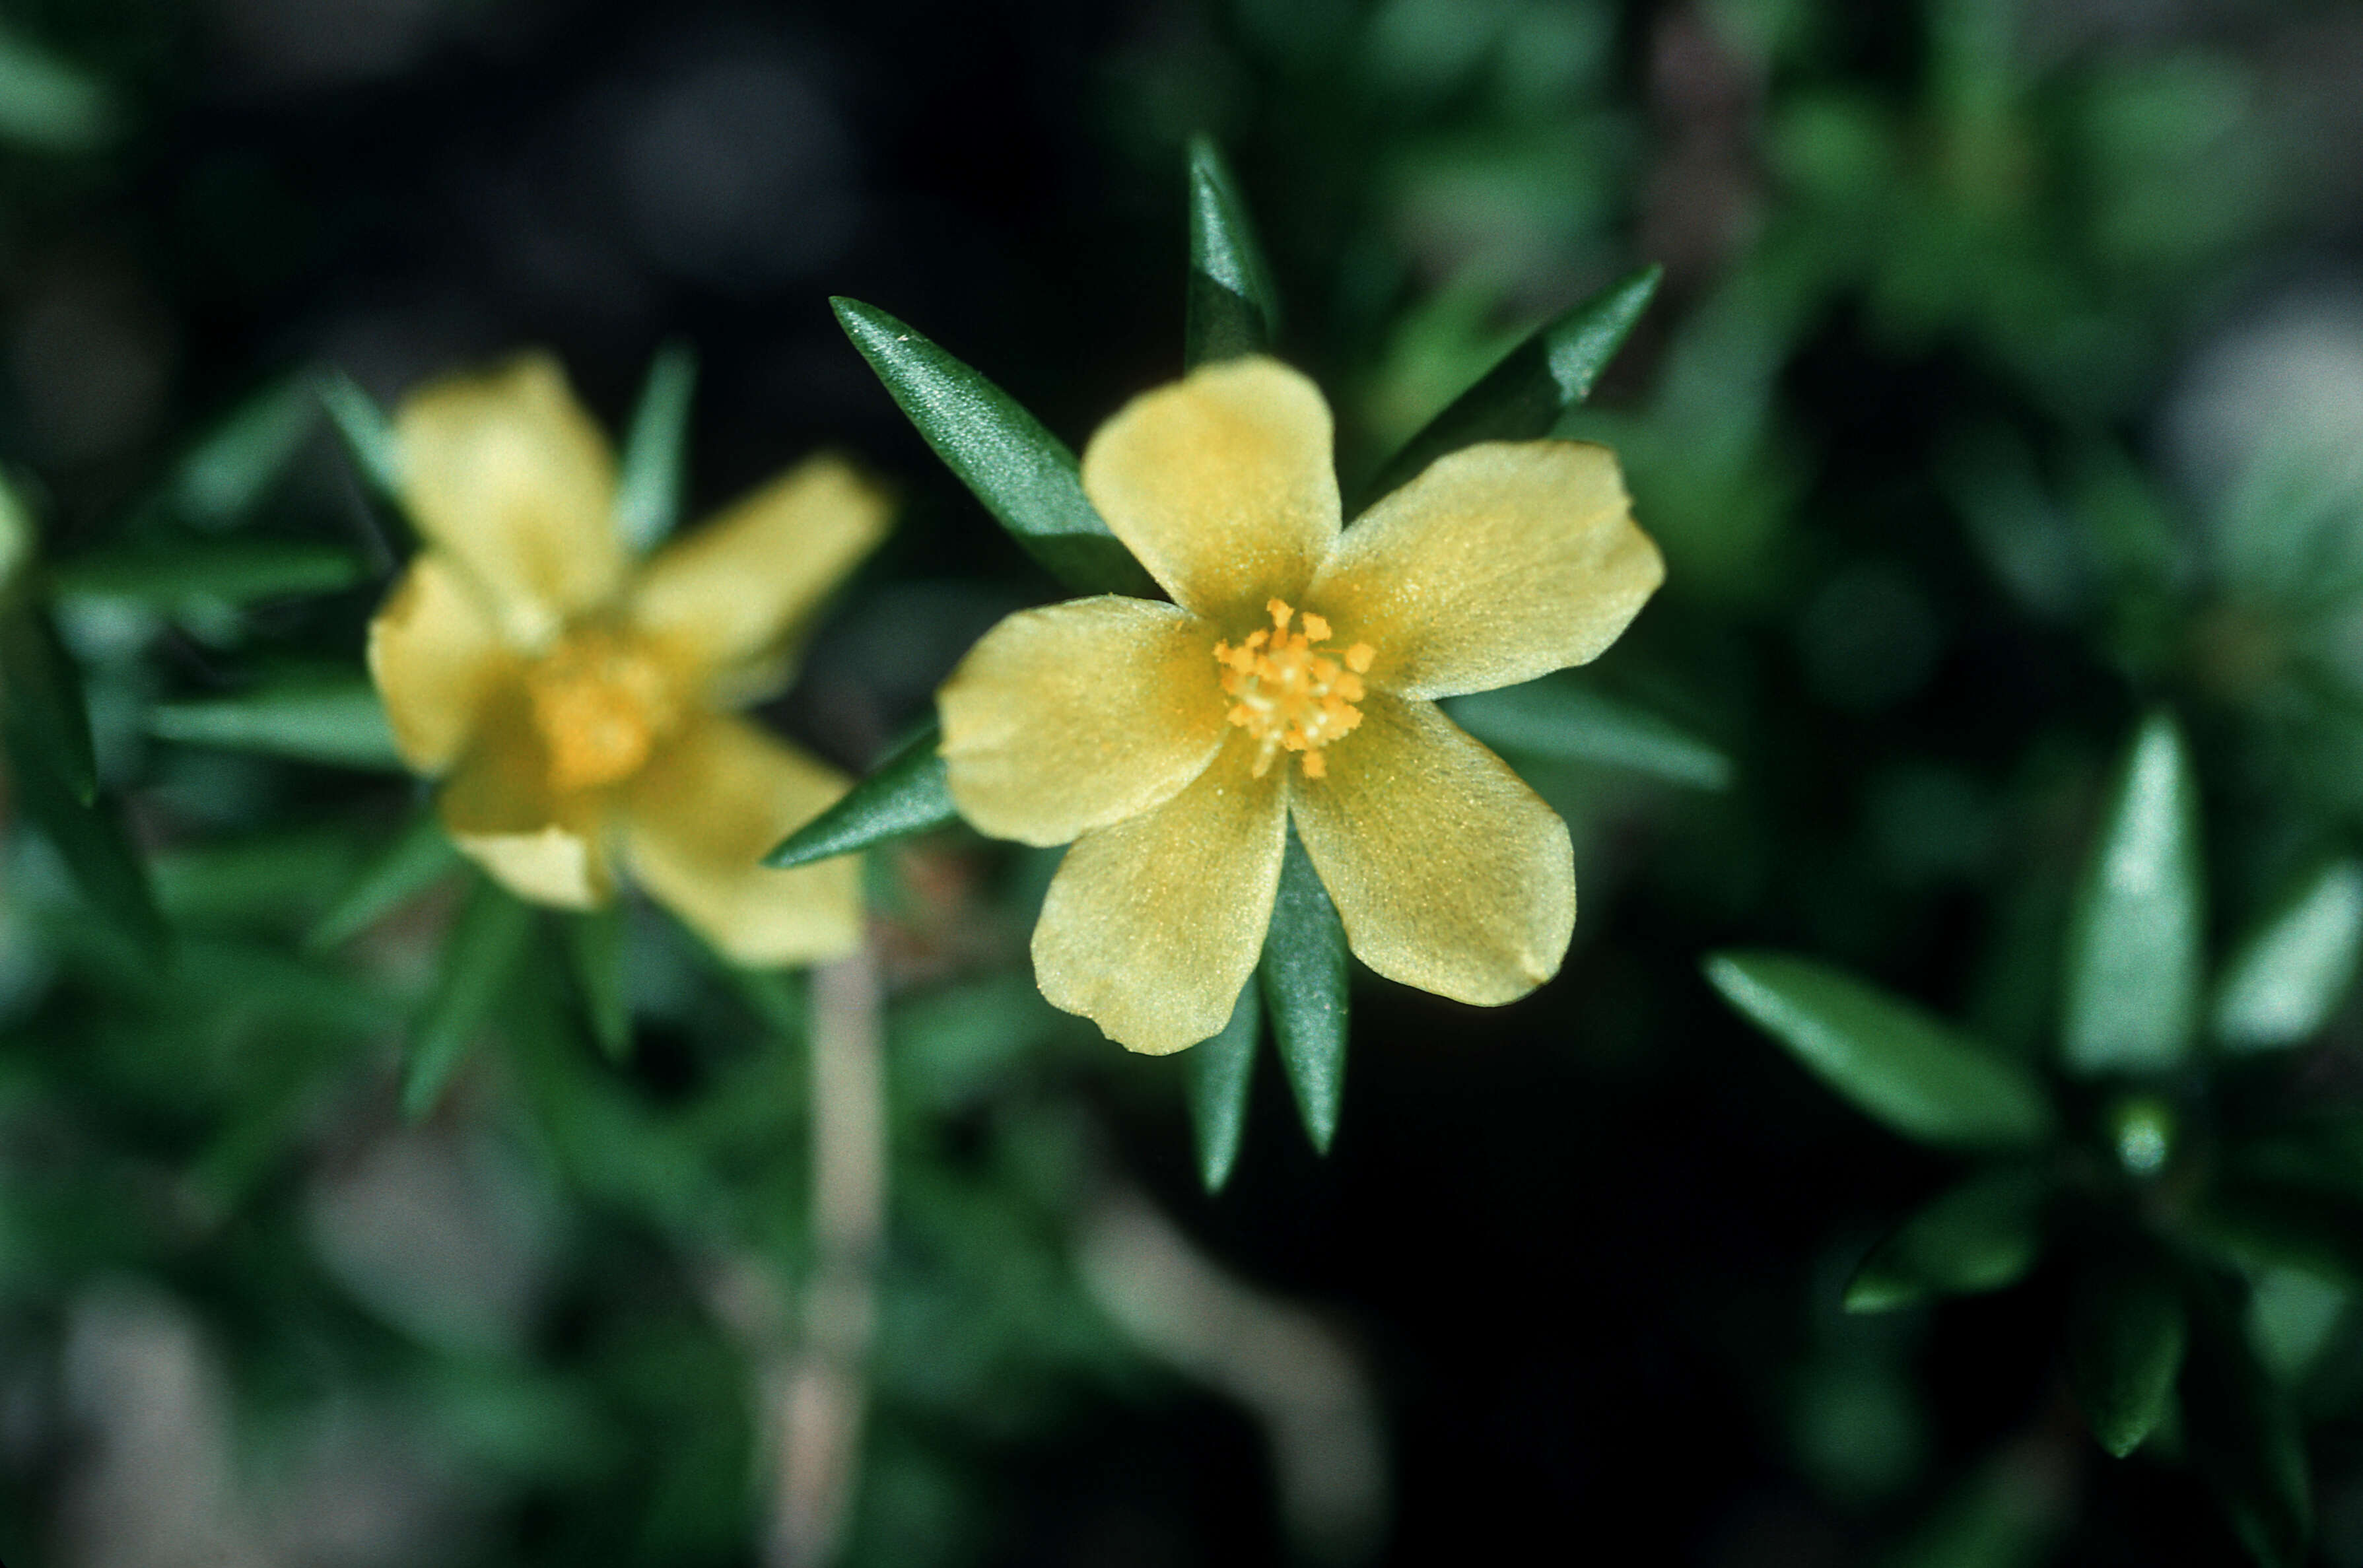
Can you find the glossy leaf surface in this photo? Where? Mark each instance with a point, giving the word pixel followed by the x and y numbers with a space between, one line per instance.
pixel 905 794
pixel 1220 1073
pixel 648 486
pixel 2134 954
pixel 1304 973
pixel 1233 308
pixel 2290 975
pixel 341 724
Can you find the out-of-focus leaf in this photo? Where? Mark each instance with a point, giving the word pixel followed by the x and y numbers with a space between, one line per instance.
pixel 47 104
pixel 226 474
pixel 485 945
pixel 2008 1515
pixel 2240 1432
pixel 1024 475
pixel 368 434
pixel 2128 1337
pixel 42 703
pixel 2286 980
pixel 341 724
pixel 1981 1235
pixel 1893 1061
pixel 2291 1313
pixel 1220 1071
pixel 1233 308
pixel 229 572
pixel 2273 1223
pixel 648 489
pixel 413 861
pixel 1304 973
pixel 1521 397
pixel 1562 719
pixel 2134 954
pixel 595 945
pixel 905 794
pixel 89 837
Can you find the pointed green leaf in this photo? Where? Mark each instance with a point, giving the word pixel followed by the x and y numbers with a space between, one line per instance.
pixel 1521 397
pixel 1893 1061
pixel 89 837
pixel 486 944
pixel 1560 718
pixel 341 724
pixel 595 945
pixel 368 434
pixel 2286 980
pixel 232 572
pixel 49 105
pixel 1979 1236
pixel 2134 954
pixel 648 488
pixel 232 467
pixel 2127 1335
pixel 41 702
pixel 2243 1438
pixel 905 794
pixel 1220 1071
pixel 1024 475
pixel 1233 308
pixel 1303 973
pixel 413 861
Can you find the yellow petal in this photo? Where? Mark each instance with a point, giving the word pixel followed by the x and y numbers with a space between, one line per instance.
pixel 736 592
pixel 1501 562
pixel 1067 718
pixel 1222 484
pixel 1450 873
pixel 437 657
pixel 499 808
pixel 1153 925
pixel 699 819
pixel 506 473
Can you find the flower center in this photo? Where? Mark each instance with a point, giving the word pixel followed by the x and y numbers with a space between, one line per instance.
pixel 600 703
pixel 1290 697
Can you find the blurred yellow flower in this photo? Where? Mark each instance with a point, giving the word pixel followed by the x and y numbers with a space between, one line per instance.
pixel 1294 675
pixel 574 700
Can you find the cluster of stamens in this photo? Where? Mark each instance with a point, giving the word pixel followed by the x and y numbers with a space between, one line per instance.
pixel 599 702
pixel 1286 696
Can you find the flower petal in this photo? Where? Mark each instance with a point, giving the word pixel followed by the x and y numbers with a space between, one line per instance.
pixel 437 657
pixel 499 808
pixel 509 473
pixel 697 821
pixel 1153 925
pixel 1222 484
pixel 736 591
pixel 1450 873
pixel 1501 563
pixel 1070 718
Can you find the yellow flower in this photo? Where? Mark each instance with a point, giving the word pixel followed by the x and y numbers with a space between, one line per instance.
pixel 573 700
pixel 1293 677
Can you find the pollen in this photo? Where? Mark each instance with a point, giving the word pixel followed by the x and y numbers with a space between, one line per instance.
pixel 600 703
pixel 1287 692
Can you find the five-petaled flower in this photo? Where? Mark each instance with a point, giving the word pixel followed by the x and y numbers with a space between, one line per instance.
pixel 574 701
pixel 1293 677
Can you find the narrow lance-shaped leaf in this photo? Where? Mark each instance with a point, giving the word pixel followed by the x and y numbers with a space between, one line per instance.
pixel 341 724
pixel 417 858
pixel 2134 953
pixel 1893 1061
pixel 2127 1335
pixel 595 946
pixel 2244 1438
pixel 485 945
pixel 232 572
pixel 1979 1236
pixel 2290 974
pixel 1233 308
pixel 49 105
pixel 1561 718
pixel 89 837
pixel 368 435
pixel 1304 973
pixel 648 487
pixel 1220 1071
pixel 1024 475
pixel 905 794
pixel 41 699
pixel 1521 397
pixel 220 480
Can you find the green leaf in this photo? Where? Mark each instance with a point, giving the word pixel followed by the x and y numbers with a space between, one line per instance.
pixel 2134 953
pixel 1233 308
pixel 368 434
pixel 2288 976
pixel 1893 1061
pixel 88 836
pixel 1524 397
pixel 905 794
pixel 2244 1440
pixel 483 950
pixel 2266 1223
pixel 1561 718
pixel 1303 973
pixel 1220 1071
pixel 49 104
pixel 341 724
pixel 1024 475
pixel 595 946
pixel 226 572
pixel 42 703
pixel 2127 1335
pixel 417 858
pixel 648 488
pixel 232 467
pixel 1979 1236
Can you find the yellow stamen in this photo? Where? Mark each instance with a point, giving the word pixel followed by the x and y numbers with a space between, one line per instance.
pixel 1290 697
pixel 600 703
